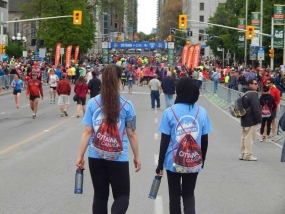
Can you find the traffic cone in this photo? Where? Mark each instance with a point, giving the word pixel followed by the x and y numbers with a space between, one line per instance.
pixel 283 153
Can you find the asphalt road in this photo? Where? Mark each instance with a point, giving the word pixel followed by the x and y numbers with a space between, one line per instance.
pixel 37 164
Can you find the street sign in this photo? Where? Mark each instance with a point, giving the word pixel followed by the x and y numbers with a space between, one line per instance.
pixel 136 45
pixel 42 53
pixel 172 31
pixel 228 55
pixel 260 52
pixel 170 45
pixel 61 51
pixel 219 49
pixel 189 33
pixel 25 54
pixel 253 53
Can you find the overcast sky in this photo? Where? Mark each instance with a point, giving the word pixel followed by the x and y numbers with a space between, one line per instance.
pixel 147 10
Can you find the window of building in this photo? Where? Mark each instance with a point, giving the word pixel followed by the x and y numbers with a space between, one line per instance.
pixel 3 4
pixel 201 6
pixel 116 25
pixel 201 18
pixel 201 36
pixel 16 28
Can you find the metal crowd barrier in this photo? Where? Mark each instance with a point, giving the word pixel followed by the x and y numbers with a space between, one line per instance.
pixel 5 81
pixel 225 97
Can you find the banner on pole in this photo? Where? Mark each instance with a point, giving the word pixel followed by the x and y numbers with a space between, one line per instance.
pixel 255 19
pixel 278 16
pixel 68 56
pixel 184 54
pixel 76 54
pixel 196 56
pixel 241 23
pixel 241 40
pixel 189 56
pixel 278 37
pixel 57 54
pixel 255 41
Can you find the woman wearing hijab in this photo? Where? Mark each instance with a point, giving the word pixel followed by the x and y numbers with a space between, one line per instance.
pixel 184 117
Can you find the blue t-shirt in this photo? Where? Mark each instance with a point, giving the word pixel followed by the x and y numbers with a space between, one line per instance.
pixel 170 126
pixel 17 84
pixel 93 117
pixel 58 74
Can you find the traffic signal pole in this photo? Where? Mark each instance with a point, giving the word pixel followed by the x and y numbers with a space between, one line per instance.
pixel 272 40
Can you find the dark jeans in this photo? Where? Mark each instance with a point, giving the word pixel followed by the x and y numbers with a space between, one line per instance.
pixel 186 190
pixel 103 173
pixel 154 95
pixel 269 121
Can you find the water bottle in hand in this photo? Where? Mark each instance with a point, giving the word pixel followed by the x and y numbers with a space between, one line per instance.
pixel 154 187
pixel 78 189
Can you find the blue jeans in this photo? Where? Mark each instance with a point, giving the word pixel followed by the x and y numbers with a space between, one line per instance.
pixel 216 82
pixel 168 100
pixel 154 95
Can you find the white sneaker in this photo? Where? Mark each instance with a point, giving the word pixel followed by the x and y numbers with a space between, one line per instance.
pixel 251 159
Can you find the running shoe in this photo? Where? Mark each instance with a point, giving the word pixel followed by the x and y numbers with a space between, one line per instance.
pixel 62 115
pixel 34 116
pixel 50 102
pixel 65 113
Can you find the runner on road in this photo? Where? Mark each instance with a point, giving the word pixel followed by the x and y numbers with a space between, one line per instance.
pixel 16 84
pixel 34 92
pixel 53 79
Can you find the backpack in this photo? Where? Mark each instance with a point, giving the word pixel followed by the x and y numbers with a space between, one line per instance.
pixel 265 110
pixel 188 158
pixel 237 109
pixel 107 142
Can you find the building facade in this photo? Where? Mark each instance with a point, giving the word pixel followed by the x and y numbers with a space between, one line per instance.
pixel 4 10
pixel 200 10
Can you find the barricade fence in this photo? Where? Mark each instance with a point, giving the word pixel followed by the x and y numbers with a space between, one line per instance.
pixel 225 97
pixel 5 81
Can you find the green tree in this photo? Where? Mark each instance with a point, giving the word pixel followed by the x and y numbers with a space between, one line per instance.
pixel 13 49
pixel 61 30
pixel 228 14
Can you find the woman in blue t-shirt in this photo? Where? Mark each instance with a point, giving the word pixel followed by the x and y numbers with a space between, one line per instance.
pixel 17 84
pixel 109 127
pixel 184 117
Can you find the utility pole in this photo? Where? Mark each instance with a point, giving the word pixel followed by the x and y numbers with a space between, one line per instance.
pixel 272 40
pixel 245 42
pixel 261 28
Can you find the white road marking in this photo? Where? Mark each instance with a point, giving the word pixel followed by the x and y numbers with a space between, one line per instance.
pixel 155 120
pixel 3 113
pixel 276 144
pixel 145 93
pixel 158 207
pixel 155 160
pixel 155 136
pixel 72 116
pixel 155 110
pixel 46 130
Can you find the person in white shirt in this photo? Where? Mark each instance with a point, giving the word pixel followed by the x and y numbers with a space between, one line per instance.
pixel 53 79
pixel 200 79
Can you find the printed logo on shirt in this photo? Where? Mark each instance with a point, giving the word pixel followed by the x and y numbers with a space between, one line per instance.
pixel 187 122
pixel 97 119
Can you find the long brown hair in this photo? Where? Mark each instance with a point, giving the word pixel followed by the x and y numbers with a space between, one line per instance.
pixel 110 93
pixel 80 80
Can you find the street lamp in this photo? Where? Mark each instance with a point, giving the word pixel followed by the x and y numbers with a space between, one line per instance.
pixel 19 39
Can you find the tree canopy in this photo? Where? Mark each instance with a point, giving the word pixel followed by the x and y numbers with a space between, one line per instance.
pixel 228 14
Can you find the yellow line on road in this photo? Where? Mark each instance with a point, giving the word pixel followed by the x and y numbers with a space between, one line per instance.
pixel 31 138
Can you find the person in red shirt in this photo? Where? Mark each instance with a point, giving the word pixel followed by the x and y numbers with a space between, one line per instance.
pixel 63 90
pixel 34 92
pixel 276 95
pixel 81 89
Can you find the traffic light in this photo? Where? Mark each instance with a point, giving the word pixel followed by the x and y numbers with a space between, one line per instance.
pixel 271 53
pixel 182 22
pixel 2 48
pixel 119 38
pixel 77 17
pixel 169 38
pixel 249 32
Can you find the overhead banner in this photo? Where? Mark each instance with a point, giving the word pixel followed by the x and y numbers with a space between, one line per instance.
pixel 184 54
pixel 255 40
pixel 241 39
pixel 255 19
pixel 278 16
pixel 68 56
pixel 189 56
pixel 278 37
pixel 57 54
pixel 196 56
pixel 76 54
pixel 241 23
